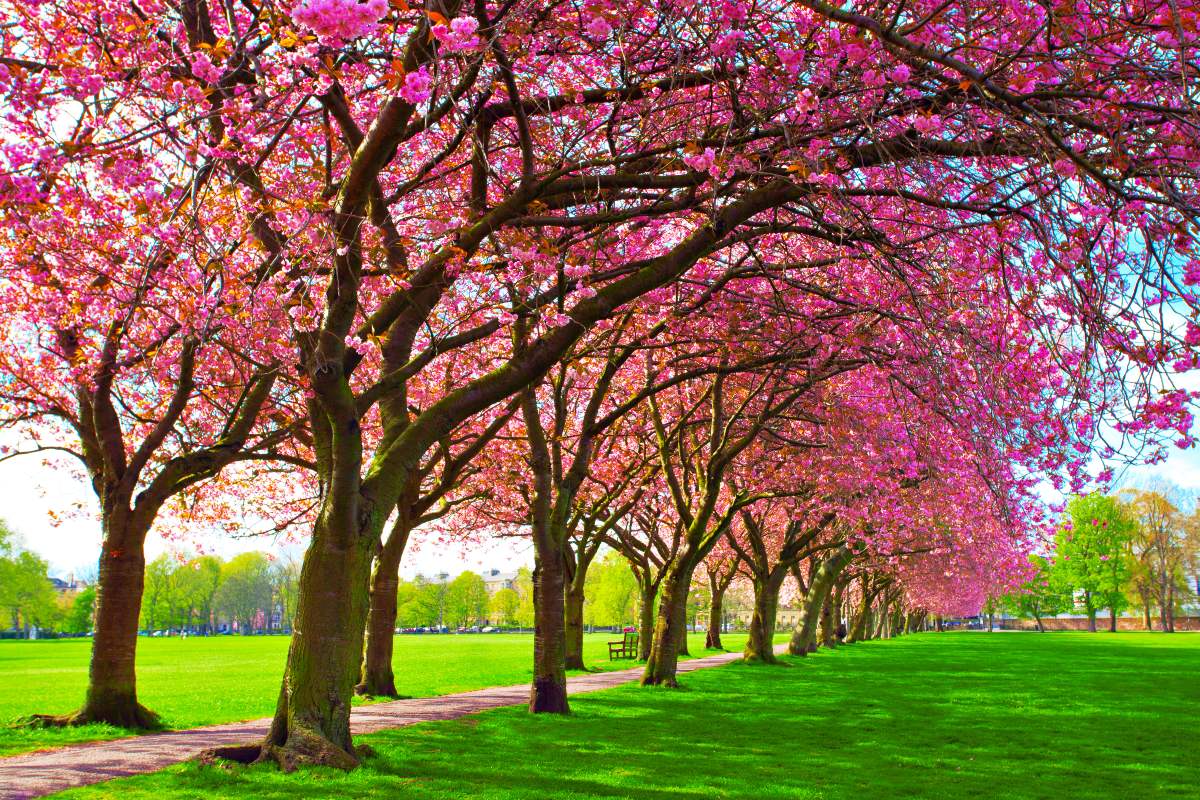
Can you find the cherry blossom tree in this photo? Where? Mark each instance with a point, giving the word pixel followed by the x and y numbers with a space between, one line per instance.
pixel 414 182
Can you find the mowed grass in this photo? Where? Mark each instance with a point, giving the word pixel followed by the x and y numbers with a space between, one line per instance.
pixel 208 680
pixel 956 715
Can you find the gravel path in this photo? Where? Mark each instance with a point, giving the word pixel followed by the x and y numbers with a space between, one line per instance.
pixel 43 773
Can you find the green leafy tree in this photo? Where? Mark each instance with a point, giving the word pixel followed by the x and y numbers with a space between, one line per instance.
pixel 466 600
pixel 523 585
pixel 285 588
pixel 26 595
pixel 420 602
pixel 245 589
pixel 196 582
pixel 1091 551
pixel 81 616
pixel 504 606
pixel 1040 596
pixel 612 592
pixel 157 597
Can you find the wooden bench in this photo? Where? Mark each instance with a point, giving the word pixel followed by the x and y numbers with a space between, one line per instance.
pixel 626 648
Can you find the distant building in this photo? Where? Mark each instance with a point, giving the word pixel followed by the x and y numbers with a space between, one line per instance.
pixel 69 584
pixel 495 580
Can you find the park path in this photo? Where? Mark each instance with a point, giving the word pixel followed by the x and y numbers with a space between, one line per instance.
pixel 46 772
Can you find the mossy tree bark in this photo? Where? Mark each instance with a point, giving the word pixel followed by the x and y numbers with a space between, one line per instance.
pixel 377 678
pixel 548 694
pixel 830 617
pixel 646 607
pixel 312 718
pixel 418 504
pixel 573 603
pixel 769 567
pixel 820 586
pixel 663 658
pixel 132 480
pixel 547 517
pixel 716 615
pixel 720 576
pixel 683 622
pixel 581 551
pixel 760 645
pixel 112 674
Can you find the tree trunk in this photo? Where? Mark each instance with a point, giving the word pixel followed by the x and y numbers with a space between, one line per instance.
pixel 827 629
pixel 646 619
pixel 712 639
pixel 377 678
pixel 672 608
pixel 1091 614
pixel 548 694
pixel 761 644
pixel 1112 620
pixel 683 621
pixel 312 718
pixel 112 675
pixel 862 620
pixel 574 626
pixel 804 634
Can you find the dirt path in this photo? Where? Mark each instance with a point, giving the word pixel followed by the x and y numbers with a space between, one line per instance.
pixel 39 774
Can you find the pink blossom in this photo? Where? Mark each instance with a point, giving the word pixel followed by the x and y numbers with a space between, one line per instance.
pixel 458 35
pixel 338 21
pixel 204 68
pixel 417 86
pixel 598 28
pixel 928 124
pixel 701 162
pixel 727 43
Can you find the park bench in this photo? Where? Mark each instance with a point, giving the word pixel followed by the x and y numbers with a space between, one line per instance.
pixel 626 648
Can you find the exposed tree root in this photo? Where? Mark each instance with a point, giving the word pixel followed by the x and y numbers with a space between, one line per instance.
pixel 137 717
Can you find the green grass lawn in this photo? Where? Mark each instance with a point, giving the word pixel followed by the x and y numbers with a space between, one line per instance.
pixel 971 715
pixel 203 681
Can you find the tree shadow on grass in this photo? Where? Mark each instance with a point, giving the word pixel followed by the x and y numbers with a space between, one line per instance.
pixel 933 716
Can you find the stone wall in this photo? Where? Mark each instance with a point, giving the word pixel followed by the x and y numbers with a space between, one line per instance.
pixel 1080 624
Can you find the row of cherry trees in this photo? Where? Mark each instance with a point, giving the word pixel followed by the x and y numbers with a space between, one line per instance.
pixel 826 289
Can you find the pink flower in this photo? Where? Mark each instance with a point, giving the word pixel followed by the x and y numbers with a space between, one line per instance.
pixel 701 162
pixel 900 73
pixel 598 28
pixel 928 124
pixel 417 86
pixel 204 68
pixel 791 59
pixel 458 35
pixel 338 21
pixel 1191 272
pixel 727 43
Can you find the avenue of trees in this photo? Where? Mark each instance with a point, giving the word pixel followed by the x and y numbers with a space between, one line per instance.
pixel 814 294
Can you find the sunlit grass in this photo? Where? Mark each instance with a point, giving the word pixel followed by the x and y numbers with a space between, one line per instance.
pixel 930 716
pixel 207 680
